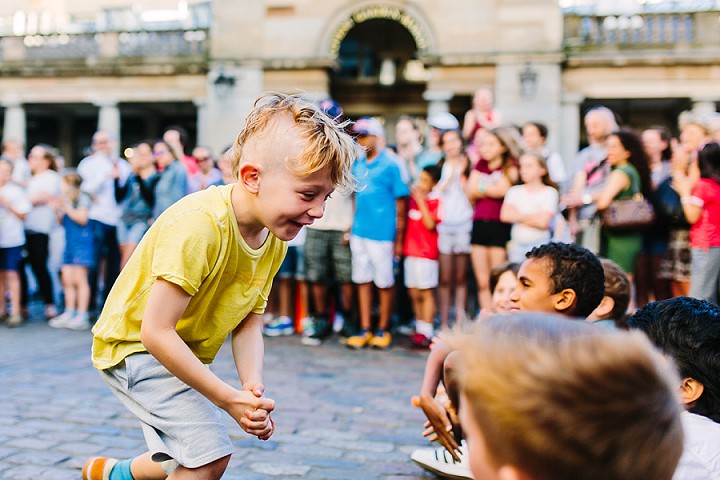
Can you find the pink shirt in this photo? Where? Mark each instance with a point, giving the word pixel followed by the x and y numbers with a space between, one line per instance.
pixel 419 241
pixel 487 208
pixel 705 233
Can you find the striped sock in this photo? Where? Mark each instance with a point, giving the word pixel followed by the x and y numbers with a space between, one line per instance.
pixel 121 470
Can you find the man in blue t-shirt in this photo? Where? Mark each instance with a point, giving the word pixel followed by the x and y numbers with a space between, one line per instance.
pixel 376 238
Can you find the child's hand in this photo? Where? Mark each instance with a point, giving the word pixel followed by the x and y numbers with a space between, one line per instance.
pixel 438 427
pixel 252 413
pixel 258 389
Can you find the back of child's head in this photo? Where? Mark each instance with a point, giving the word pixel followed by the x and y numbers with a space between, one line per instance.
pixel 73 181
pixel 573 267
pixel 434 171
pixel 327 146
pixel 688 330
pixel 709 161
pixel 617 287
pixel 563 400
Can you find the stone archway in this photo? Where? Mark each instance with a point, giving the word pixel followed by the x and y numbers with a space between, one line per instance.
pixel 379 53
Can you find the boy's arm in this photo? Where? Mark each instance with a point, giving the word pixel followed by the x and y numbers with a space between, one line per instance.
pixel 428 219
pixel 401 209
pixel 165 306
pixel 249 351
pixel 439 425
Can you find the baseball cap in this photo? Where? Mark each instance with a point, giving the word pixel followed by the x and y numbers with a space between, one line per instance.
pixel 368 126
pixel 331 108
pixel 443 121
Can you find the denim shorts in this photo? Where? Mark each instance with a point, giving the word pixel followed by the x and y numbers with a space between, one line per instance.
pixel 10 258
pixel 131 233
pixel 293 266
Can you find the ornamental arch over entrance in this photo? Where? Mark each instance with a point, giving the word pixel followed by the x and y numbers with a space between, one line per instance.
pixel 380 55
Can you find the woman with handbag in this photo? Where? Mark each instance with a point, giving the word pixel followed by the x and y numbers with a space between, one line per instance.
pixel 630 176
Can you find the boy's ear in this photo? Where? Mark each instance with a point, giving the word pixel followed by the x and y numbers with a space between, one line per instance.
pixel 511 472
pixel 604 309
pixel 690 390
pixel 565 301
pixel 249 176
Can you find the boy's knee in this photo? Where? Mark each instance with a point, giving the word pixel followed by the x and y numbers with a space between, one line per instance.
pixel 212 471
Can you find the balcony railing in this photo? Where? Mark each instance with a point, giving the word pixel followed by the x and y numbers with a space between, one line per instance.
pixel 643 30
pixel 119 45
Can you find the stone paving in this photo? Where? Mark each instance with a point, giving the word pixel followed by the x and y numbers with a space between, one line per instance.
pixel 340 414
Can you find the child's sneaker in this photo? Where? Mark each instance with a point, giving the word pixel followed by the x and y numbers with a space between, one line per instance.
pixel 79 321
pixel 14 320
pixel 316 331
pixel 338 322
pixel 60 321
pixel 361 340
pixel 381 340
pixel 98 468
pixel 279 326
pixel 51 311
pixel 440 462
pixel 420 341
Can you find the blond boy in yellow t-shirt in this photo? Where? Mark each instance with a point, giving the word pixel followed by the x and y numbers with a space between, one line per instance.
pixel 204 270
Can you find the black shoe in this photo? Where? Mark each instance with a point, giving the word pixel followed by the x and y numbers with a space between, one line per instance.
pixel 314 335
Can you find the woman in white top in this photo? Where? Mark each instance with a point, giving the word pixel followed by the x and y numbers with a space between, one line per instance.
pixel 42 188
pixel 454 230
pixel 530 207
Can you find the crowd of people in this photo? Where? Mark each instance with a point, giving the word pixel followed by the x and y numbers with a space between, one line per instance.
pixel 432 219
pixel 522 393
pixel 427 222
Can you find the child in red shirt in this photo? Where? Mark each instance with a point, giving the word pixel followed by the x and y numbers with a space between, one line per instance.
pixel 701 205
pixel 421 253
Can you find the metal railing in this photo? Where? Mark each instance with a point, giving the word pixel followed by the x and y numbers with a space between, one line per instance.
pixel 171 43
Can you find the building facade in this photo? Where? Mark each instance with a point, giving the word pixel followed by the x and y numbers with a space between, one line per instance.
pixel 70 67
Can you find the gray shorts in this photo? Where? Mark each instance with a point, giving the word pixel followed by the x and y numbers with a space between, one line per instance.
pixel 181 426
pixel 326 253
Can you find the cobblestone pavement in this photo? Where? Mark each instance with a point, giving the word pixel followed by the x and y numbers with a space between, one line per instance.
pixel 340 414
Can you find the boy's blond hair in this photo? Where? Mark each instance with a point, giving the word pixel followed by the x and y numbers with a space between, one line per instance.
pixel 327 143
pixel 564 400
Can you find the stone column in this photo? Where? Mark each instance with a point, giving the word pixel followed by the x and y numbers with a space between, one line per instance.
pixel 571 124
pixel 224 117
pixel 15 125
pixel 109 120
pixel 202 123
pixel 438 101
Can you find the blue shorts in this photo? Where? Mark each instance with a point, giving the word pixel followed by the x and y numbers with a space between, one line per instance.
pixel 10 258
pixel 293 265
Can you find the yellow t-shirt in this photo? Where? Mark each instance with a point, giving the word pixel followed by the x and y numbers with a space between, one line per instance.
pixel 195 244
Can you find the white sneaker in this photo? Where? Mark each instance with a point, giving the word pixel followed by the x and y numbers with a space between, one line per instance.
pixel 338 322
pixel 440 462
pixel 60 321
pixel 78 322
pixel 279 326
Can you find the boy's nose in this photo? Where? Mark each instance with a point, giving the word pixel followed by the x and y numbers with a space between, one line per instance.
pixel 317 211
